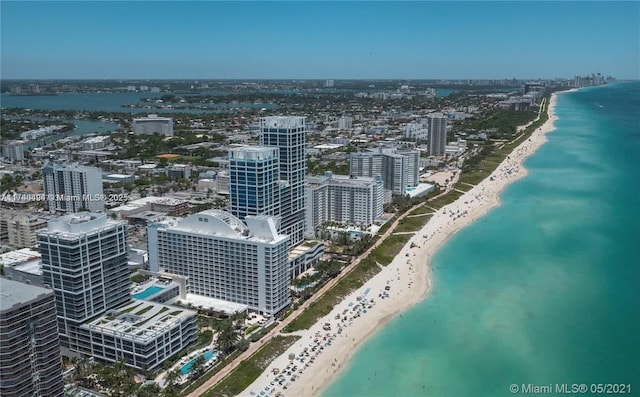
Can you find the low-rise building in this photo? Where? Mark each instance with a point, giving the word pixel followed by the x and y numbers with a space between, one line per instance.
pixel 179 171
pixel 161 288
pixel 304 256
pixel 152 124
pixel 143 333
pixel 95 143
pixel 20 227
pixel 23 265
pixel 118 178
pixel 165 205
pixel 40 132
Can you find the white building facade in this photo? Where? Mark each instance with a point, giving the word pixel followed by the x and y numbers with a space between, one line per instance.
pixel 152 124
pixel 417 131
pixel 225 259
pixel 344 199
pixel 22 230
pixel 144 334
pixel 413 167
pixel 365 164
pixel 345 123
pixel 14 150
pixel 72 188
pixel 84 260
pixel 399 169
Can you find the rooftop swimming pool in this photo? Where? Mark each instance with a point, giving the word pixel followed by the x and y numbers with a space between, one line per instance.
pixel 147 292
pixel 185 369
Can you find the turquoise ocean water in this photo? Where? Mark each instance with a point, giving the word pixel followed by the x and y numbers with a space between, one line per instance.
pixel 544 289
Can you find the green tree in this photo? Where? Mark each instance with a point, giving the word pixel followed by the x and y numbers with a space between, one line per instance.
pixel 330 268
pixel 227 337
pixel 148 390
pixel 117 379
pixel 142 182
pixel 82 371
pixel 197 367
pixel 170 388
pixel 243 344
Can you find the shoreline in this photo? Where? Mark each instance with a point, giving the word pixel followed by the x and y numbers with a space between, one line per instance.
pixel 406 281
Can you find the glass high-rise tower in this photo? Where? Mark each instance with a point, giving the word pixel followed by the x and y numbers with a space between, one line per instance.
pixel 288 134
pixel 437 133
pixel 254 172
pixel 84 260
pixel 30 362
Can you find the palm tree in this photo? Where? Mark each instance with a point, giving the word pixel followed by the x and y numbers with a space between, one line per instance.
pixel 239 318
pixel 197 367
pixel 227 337
pixel 148 390
pixel 170 389
pixel 171 377
pixel 83 368
pixel 117 378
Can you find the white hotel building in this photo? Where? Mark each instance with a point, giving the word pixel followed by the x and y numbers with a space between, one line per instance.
pixel 345 199
pixel 225 259
pixel 152 124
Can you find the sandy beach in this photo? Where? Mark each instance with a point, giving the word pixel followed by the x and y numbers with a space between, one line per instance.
pixel 324 349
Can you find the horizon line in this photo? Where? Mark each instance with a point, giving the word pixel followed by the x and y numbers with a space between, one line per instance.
pixel 301 79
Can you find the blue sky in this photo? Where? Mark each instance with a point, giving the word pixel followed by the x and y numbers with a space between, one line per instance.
pixel 304 40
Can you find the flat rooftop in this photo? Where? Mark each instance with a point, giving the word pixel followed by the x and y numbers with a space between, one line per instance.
pixel 144 201
pixel 214 304
pixel 31 267
pixel 148 215
pixel 140 320
pixel 302 249
pixel 14 293
pixel 17 257
pixel 421 189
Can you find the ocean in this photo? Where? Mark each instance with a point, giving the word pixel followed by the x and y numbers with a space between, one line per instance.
pixel 543 290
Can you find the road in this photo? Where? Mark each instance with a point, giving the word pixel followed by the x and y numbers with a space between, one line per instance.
pixel 224 372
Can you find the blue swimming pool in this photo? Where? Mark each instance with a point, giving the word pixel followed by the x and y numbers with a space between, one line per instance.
pixel 147 292
pixel 207 356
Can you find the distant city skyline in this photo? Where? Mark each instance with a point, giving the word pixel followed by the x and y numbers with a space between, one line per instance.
pixel 318 40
